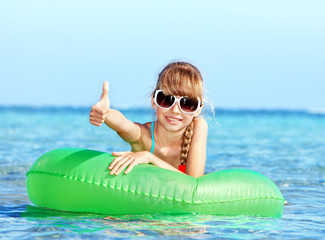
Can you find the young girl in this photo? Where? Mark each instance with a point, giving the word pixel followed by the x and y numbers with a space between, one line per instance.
pixel 177 139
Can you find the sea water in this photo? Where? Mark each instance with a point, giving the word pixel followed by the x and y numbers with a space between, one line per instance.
pixel 286 146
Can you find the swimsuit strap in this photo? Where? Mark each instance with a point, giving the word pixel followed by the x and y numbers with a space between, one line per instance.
pixel 152 137
pixel 180 167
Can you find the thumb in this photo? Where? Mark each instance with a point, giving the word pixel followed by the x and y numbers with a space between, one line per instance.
pixel 105 91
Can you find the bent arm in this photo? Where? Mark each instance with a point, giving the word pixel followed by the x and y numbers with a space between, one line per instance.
pixel 101 112
pixel 131 159
pixel 195 164
pixel 126 129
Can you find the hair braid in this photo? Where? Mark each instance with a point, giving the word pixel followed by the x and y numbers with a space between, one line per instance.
pixel 187 138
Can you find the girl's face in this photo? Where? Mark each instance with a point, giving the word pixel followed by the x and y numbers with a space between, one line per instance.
pixel 173 119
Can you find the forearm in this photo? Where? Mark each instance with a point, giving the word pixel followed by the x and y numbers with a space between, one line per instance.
pixel 117 121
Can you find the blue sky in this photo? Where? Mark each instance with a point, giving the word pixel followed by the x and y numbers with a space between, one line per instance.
pixel 252 54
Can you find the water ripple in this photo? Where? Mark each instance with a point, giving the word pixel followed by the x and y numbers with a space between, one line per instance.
pixel 286 146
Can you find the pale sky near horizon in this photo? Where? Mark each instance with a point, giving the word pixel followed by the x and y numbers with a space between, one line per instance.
pixel 252 54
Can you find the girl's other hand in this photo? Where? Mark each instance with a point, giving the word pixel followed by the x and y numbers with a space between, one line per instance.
pixel 100 110
pixel 125 159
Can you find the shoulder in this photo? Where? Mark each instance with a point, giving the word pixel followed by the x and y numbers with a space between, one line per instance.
pixel 200 124
pixel 145 136
pixel 144 128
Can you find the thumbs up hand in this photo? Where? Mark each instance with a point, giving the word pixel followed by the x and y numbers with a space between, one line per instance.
pixel 100 110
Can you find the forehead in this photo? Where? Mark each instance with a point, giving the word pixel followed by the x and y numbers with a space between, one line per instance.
pixel 181 92
pixel 180 83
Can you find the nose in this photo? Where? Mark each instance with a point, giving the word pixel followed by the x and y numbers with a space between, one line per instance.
pixel 175 108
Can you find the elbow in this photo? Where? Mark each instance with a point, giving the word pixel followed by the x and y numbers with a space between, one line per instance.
pixel 196 175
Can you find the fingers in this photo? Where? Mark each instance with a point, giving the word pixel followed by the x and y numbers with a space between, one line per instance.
pixel 95 122
pixel 124 159
pixel 120 163
pixel 98 109
pixel 123 166
pixel 131 166
pixel 120 156
pixel 105 91
pixel 97 115
pixel 96 118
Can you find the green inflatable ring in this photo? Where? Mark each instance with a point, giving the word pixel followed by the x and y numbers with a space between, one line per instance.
pixel 77 180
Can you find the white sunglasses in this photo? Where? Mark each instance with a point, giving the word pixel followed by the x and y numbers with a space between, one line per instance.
pixel 186 104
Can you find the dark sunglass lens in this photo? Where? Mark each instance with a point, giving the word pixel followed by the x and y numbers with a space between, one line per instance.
pixel 165 101
pixel 189 104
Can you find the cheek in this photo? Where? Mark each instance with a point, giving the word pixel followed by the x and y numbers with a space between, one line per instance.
pixel 160 112
pixel 188 119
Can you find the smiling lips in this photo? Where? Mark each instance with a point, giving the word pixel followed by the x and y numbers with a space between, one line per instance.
pixel 173 120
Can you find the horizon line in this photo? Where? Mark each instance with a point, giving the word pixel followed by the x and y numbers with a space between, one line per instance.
pixel 313 110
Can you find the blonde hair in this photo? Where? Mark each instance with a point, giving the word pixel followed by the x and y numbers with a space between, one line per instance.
pixel 182 79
